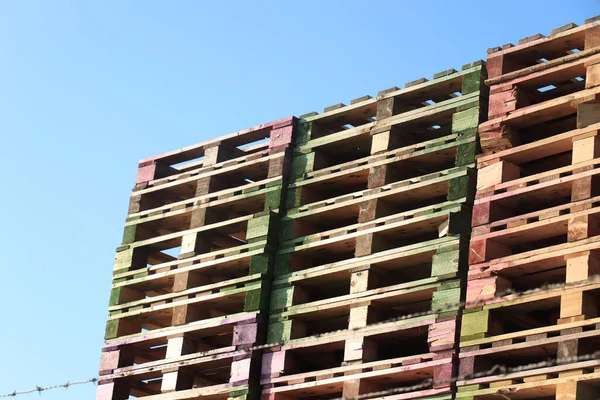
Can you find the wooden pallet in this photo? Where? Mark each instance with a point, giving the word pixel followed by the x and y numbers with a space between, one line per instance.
pixel 537 52
pixel 418 99
pixel 393 353
pixel 217 153
pixel 146 363
pixel 542 87
pixel 402 196
pixel 571 381
pixel 379 169
pixel 562 342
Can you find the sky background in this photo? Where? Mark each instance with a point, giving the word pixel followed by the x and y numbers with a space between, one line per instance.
pixel 89 88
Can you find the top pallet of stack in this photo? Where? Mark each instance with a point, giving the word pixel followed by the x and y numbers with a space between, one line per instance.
pixel 538 87
pixel 240 146
pixel 537 52
pixel 421 105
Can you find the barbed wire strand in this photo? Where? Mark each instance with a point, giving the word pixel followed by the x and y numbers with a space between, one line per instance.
pixel 498 370
pixel 426 383
pixel 41 389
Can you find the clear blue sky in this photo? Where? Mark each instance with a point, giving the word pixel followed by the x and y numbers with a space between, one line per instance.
pixel 89 88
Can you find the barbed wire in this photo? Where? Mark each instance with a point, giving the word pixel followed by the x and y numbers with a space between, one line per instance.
pixel 41 389
pixel 495 370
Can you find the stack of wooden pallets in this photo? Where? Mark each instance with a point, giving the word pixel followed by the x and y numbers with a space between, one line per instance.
pixel 192 279
pixel 370 252
pixel 535 222
pixel 367 275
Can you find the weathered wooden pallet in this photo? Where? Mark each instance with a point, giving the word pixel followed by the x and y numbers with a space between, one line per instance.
pixel 295 319
pixel 538 309
pixel 533 193
pixel 393 349
pixel 205 302
pixel 539 230
pixel 551 258
pixel 216 199
pixel 563 342
pixel 217 208
pixel 121 390
pixel 154 297
pixel 203 369
pixel 446 185
pixel 525 122
pixel 195 354
pixel 351 122
pixel 400 164
pixel 147 391
pixel 537 52
pixel 292 238
pixel 539 149
pixel 223 264
pixel 226 234
pixel 396 231
pixel 371 377
pixel 574 381
pixel 438 257
pixel 218 151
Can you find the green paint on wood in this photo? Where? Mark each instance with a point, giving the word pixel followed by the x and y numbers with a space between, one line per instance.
pixel 115 297
pixel 129 234
pixel 459 223
pixel 273 200
pixel 142 274
pixel 260 264
pixel 259 227
pixel 123 260
pixel 279 331
pixel 466 121
pixel 293 198
pixel 444 73
pixel 473 64
pixel 282 264
pixel 281 298
pixel 446 299
pixel 466 153
pixel 112 328
pixel 459 187
pixel 286 226
pixel 244 394
pixel 475 324
pixel 303 130
pixel 445 263
pixel 253 300
pixel 473 81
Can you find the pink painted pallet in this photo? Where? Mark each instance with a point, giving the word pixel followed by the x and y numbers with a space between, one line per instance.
pixel 215 357
pixel 540 81
pixel 236 148
pixel 390 354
